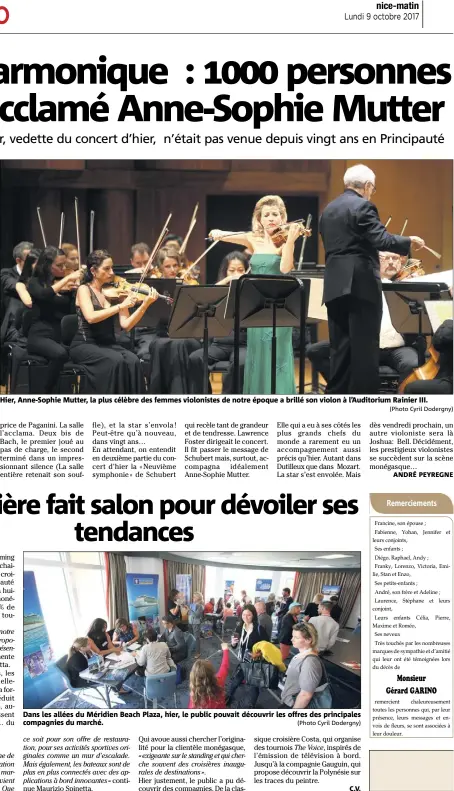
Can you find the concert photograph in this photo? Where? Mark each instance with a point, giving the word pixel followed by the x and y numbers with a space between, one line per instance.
pixel 226 277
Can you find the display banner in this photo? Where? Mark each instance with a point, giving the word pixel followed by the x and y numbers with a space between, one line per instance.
pixel 229 586
pixel 142 590
pixel 42 680
pixel 263 586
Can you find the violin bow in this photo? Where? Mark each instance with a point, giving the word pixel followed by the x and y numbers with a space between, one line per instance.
pixel 147 266
pixel 184 243
pixel 242 233
pixel 92 231
pixel 437 255
pixel 303 245
pixel 424 246
pixel 38 211
pixel 62 228
pixel 201 256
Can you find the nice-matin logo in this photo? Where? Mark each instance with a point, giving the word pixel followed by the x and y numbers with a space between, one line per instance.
pixel 4 15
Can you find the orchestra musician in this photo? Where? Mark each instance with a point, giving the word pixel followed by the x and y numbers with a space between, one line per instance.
pixel 442 383
pixel 72 256
pixel 232 267
pixel 352 235
pixel 9 277
pixel 173 242
pixel 109 367
pixel 168 263
pixel 52 296
pixel 169 357
pixel 13 320
pixel 14 331
pixel 140 253
pixel 267 259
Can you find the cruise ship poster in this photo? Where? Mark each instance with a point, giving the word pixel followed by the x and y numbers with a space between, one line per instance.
pixel 42 681
pixel 142 592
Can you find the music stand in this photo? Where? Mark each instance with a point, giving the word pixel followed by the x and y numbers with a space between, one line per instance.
pixel 198 312
pixel 268 301
pixel 407 310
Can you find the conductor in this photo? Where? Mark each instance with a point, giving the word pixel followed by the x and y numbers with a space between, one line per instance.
pixel 352 235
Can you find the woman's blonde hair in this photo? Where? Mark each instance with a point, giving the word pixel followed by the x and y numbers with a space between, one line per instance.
pixel 203 684
pixel 267 200
pixel 318 598
pixel 197 596
pixel 309 632
pixel 79 642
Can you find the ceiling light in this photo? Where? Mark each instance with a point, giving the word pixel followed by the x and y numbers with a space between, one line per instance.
pixel 332 557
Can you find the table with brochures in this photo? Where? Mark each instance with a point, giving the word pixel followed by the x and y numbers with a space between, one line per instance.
pixel 113 673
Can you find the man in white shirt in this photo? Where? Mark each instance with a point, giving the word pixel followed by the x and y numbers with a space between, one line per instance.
pixel 326 627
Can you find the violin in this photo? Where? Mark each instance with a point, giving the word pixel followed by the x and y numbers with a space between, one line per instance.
pixel 120 288
pixel 429 370
pixel 413 268
pixel 185 275
pixel 280 234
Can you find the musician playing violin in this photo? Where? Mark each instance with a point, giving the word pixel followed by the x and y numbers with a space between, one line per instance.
pixel 169 357
pixel 109 368
pixel 52 295
pixel 267 259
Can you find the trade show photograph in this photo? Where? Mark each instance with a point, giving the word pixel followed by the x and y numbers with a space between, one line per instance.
pixel 198 630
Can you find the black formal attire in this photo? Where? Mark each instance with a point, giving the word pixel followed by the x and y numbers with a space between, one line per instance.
pixel 169 364
pixel 10 302
pixel 402 358
pixel 166 359
pixel 18 343
pixel 442 384
pixel 109 367
pixel 353 235
pixel 44 330
pixel 219 350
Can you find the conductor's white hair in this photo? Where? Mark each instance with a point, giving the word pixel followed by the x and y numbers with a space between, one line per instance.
pixel 358 176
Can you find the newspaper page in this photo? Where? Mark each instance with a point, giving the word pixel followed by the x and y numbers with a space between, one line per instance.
pixel 226 323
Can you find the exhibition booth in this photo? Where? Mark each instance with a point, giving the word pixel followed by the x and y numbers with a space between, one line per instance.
pixel 65 592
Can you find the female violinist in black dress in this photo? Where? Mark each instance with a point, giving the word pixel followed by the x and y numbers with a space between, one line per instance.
pixel 52 298
pixel 109 367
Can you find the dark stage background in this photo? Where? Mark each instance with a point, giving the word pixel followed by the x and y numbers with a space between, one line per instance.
pixel 132 199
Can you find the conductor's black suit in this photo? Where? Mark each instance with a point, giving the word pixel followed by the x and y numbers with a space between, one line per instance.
pixel 352 236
